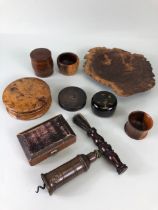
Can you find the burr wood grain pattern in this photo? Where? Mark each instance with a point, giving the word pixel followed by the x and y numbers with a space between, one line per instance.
pixel 27 98
pixel 124 72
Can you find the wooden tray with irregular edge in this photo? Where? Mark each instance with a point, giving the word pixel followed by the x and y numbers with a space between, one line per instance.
pixel 124 72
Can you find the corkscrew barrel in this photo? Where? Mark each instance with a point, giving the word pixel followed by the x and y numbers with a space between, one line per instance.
pixel 66 172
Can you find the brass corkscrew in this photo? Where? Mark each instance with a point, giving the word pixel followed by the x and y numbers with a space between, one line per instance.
pixel 66 172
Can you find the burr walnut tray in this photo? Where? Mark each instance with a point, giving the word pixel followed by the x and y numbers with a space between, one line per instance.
pixel 46 139
pixel 27 98
pixel 124 72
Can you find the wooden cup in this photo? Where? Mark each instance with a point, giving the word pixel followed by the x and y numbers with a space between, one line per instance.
pixel 68 63
pixel 138 125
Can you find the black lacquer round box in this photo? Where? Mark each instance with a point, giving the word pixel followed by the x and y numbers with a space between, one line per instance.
pixel 104 103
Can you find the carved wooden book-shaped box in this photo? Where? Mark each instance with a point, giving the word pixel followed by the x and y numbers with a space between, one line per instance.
pixel 46 139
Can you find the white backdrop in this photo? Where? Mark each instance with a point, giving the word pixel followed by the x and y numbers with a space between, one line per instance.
pixel 77 26
pixel 137 17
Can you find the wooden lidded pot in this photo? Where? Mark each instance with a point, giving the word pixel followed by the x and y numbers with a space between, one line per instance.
pixel 42 62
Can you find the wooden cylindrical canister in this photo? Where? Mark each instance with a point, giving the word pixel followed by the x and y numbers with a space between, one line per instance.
pixel 42 62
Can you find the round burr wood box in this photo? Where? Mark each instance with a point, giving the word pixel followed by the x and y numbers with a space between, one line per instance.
pixel 27 98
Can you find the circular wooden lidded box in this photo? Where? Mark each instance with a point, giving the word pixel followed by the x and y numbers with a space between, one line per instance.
pixel 27 98
pixel 72 98
pixel 42 62
pixel 104 103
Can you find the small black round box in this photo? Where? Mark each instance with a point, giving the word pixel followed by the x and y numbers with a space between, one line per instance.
pixel 104 103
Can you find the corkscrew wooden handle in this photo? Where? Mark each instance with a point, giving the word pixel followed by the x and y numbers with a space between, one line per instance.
pixel 105 148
